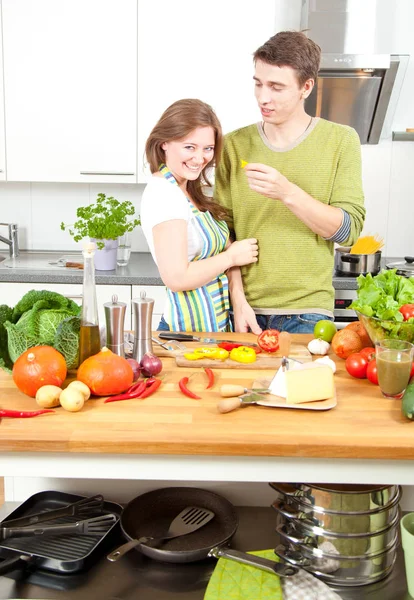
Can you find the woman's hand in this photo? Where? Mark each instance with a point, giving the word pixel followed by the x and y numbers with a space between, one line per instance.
pixel 243 252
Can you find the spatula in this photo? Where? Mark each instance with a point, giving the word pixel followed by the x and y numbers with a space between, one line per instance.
pixel 190 519
pixel 94 526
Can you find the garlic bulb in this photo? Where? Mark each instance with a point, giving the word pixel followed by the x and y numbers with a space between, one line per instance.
pixel 318 346
pixel 325 360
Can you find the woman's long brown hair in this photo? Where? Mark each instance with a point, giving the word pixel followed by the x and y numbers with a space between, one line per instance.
pixel 177 121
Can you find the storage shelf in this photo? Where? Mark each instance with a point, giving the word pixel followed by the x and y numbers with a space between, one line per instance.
pixel 403 136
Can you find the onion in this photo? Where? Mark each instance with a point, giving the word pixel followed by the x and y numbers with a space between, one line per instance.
pixel 135 367
pixel 150 364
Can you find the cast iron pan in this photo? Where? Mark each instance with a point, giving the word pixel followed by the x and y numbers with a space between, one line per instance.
pixel 152 513
pixel 65 554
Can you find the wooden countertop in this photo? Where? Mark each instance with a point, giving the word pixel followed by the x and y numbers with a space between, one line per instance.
pixel 362 425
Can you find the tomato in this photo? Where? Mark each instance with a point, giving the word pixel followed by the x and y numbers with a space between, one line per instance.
pixel 407 311
pixel 268 340
pixel 368 352
pixel 412 370
pixel 325 330
pixel 356 365
pixel 372 374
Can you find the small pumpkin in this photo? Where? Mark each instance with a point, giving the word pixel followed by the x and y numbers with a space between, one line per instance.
pixel 106 373
pixel 39 366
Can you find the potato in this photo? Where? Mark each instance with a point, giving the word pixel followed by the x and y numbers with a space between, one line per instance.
pixel 48 396
pixel 72 399
pixel 81 387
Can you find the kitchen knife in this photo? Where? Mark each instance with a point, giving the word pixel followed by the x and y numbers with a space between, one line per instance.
pixel 186 337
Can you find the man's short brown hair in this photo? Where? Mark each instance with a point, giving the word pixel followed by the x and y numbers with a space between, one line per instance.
pixel 292 49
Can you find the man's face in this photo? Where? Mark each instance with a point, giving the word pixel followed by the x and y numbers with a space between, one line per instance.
pixel 278 93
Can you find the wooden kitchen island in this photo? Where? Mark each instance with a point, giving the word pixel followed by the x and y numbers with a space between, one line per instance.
pixel 364 439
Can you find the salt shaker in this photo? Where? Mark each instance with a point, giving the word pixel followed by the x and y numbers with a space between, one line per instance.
pixel 142 310
pixel 115 320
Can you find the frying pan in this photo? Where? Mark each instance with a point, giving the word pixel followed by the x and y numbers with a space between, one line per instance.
pixel 151 514
pixel 61 553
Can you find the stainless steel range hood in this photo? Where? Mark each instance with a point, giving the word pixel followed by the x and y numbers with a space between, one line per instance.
pixel 355 84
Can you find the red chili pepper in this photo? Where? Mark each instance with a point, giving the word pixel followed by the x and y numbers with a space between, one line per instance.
pixel 134 391
pixel 183 387
pixel 210 375
pixel 151 389
pixel 19 414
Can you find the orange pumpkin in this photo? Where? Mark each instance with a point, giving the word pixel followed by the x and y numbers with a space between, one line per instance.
pixel 106 373
pixel 39 366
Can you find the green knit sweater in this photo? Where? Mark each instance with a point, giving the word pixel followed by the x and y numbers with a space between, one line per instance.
pixel 294 270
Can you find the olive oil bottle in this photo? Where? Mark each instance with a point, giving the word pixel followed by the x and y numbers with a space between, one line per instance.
pixel 90 342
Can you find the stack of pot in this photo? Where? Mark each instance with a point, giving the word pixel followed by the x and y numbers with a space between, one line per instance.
pixel 347 535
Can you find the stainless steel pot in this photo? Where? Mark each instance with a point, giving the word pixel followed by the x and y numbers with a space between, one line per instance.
pixel 345 545
pixel 339 570
pixel 367 522
pixel 349 499
pixel 356 264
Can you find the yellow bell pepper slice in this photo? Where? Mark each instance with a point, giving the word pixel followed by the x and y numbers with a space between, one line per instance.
pixel 192 356
pixel 243 354
pixel 214 352
pixel 243 163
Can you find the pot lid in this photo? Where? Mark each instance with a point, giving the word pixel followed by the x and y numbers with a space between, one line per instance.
pixel 405 267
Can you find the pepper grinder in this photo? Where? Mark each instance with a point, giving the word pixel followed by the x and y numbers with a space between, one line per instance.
pixel 115 319
pixel 142 310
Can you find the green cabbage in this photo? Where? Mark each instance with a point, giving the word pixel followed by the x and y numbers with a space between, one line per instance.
pixel 36 321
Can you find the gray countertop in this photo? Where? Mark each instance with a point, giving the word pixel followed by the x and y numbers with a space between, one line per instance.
pixel 136 576
pixel 141 270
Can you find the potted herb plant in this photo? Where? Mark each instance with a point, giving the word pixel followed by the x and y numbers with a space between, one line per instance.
pixel 104 222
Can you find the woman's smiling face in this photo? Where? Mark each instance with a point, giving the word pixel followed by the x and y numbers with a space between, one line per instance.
pixel 186 158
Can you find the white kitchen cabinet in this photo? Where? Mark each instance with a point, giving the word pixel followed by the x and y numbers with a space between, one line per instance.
pixel 185 54
pixel 70 78
pixel 2 133
pixel 158 294
pixel 11 293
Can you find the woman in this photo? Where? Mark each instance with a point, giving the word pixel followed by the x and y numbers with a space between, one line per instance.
pixel 184 228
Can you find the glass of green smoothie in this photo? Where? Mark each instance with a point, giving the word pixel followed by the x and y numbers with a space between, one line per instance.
pixel 394 360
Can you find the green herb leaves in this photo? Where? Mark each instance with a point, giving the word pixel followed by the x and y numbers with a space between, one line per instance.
pixel 107 219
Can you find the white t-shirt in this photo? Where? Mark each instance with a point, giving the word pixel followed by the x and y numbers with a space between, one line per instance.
pixel 163 201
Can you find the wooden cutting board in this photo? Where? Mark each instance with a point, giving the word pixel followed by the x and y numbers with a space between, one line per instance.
pixel 264 361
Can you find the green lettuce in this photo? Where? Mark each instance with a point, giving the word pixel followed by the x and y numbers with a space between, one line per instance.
pixel 382 295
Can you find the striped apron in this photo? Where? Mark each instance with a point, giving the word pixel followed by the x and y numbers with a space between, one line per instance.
pixel 205 308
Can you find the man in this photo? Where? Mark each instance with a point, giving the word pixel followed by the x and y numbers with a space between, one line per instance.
pixel 300 192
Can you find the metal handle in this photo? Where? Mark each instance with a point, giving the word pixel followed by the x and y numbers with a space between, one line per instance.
pixel 293 557
pixel 106 173
pixel 289 533
pixel 121 550
pixel 287 489
pixel 291 512
pixel 264 564
pixel 350 259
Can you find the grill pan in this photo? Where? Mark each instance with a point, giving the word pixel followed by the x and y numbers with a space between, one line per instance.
pixel 66 554
pixel 151 514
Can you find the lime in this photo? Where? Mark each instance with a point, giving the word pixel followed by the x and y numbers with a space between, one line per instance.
pixel 325 330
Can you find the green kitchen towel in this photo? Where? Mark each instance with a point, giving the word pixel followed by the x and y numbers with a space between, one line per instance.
pixel 233 581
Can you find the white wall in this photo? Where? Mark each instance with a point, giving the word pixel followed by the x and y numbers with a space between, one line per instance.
pixel 388 171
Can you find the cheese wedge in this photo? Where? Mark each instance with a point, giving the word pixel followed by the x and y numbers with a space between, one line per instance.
pixel 309 383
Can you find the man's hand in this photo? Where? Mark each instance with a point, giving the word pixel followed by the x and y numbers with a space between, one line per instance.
pixel 245 319
pixel 268 181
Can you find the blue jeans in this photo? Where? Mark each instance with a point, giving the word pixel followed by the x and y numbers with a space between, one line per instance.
pixel 292 323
